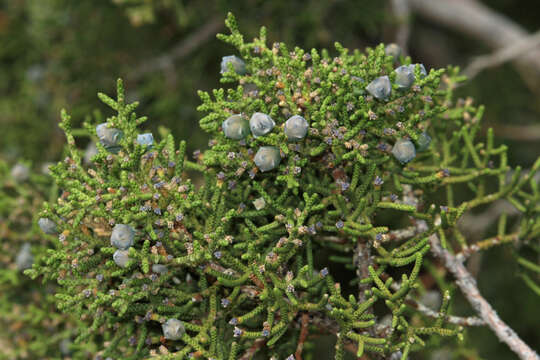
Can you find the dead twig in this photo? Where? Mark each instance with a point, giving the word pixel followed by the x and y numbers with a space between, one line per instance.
pixel 503 55
pixel 467 285
pixel 478 21
pixel 402 14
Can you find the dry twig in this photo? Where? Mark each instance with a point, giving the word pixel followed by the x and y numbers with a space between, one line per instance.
pixel 503 55
pixel 467 285
pixel 478 21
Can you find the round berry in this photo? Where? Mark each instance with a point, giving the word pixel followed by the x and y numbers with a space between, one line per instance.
pixel 24 259
pixel 404 151
pixel 146 139
pixel 159 268
pixel 122 236
pixel 380 88
pixel 393 50
pixel 47 226
pixel 261 124
pixel 423 71
pixel 235 127
pixel 173 329
pixel 267 158
pixel 90 151
pixel 423 141
pixel 121 257
pixel 404 76
pixel 296 128
pixel 20 172
pixel 239 66
pixel 109 137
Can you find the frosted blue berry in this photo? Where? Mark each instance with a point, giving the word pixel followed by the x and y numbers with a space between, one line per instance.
pixel 423 141
pixel 324 272
pixel 261 124
pixel 404 76
pixel 65 346
pixel 121 257
pixel 237 332
pixel 404 151
pixel 47 226
pixel 173 329
pixel 122 236
pixel 239 66
pixel 296 128
pixel 20 172
pixel 24 259
pixel 393 50
pixel 160 268
pixel 380 88
pixel 146 139
pixel 423 71
pixel 235 127
pixel 267 158
pixel 109 137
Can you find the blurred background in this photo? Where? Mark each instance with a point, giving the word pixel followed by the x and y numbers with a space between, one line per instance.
pixel 59 53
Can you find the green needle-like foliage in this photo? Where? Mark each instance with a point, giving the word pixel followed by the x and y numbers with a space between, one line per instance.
pixel 30 325
pixel 247 253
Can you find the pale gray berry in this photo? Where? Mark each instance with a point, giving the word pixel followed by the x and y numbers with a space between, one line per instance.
pixel 380 88
pixel 423 141
pixel 122 236
pixel 296 128
pixel 173 329
pixel 47 226
pixel 146 139
pixel 404 76
pixel 235 127
pixel 24 259
pixel 404 150
pixel 20 172
pixel 159 268
pixel 259 203
pixel 239 66
pixel 267 158
pixel 65 345
pixel 45 168
pixel 109 137
pixel 90 151
pixel 121 257
pixel 393 50
pixel 423 71
pixel 261 124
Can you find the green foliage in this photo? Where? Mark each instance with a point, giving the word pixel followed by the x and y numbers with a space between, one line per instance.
pixel 246 251
pixel 30 325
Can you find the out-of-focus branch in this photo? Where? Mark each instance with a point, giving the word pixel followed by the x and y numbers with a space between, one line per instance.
pixel 181 50
pixel 478 223
pixel 456 320
pixel 467 285
pixel 478 21
pixel 503 55
pixel 402 14
pixel 517 132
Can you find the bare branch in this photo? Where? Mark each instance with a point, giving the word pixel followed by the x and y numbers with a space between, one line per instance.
pixel 181 50
pixel 516 132
pixel 503 55
pixel 468 287
pixel 476 20
pixel 402 14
